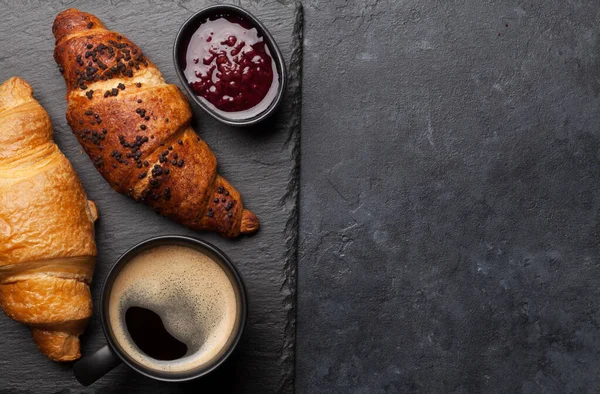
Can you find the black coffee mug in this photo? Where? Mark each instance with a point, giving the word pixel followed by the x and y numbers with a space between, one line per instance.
pixel 93 367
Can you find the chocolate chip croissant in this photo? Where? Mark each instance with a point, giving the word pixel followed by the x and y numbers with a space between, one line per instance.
pixel 47 248
pixel 136 129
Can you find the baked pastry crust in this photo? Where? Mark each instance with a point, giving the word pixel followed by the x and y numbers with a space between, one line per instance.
pixel 136 129
pixel 47 247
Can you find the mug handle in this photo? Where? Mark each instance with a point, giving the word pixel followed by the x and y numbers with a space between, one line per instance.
pixel 93 367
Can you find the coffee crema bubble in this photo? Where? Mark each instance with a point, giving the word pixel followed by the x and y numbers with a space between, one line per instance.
pixel 191 293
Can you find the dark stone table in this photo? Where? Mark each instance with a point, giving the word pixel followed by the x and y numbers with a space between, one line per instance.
pixel 449 197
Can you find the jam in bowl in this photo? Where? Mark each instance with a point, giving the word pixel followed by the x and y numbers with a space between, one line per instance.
pixel 230 65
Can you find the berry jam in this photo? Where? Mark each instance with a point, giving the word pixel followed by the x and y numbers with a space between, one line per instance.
pixel 228 63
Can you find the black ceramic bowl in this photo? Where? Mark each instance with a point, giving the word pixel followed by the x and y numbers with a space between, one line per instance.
pixel 181 43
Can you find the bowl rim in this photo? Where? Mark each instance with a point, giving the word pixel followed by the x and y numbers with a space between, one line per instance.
pixel 273 47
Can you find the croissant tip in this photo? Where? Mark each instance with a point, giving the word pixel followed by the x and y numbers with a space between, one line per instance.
pixel 56 345
pixel 249 222
pixel 16 82
pixel 72 21
pixel 68 10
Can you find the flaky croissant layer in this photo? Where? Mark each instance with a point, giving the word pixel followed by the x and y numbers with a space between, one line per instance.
pixel 136 129
pixel 47 248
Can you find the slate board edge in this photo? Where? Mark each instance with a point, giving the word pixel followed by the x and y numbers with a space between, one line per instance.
pixel 292 197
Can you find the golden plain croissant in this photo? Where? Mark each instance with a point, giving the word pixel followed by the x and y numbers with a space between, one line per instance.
pixel 47 248
pixel 136 129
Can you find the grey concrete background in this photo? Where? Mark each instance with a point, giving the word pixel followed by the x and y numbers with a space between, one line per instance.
pixel 449 197
pixel 261 162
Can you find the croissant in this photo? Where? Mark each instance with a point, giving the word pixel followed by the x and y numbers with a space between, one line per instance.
pixel 136 129
pixel 47 248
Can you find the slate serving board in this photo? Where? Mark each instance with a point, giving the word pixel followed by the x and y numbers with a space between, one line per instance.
pixel 261 162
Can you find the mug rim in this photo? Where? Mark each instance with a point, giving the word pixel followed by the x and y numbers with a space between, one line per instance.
pixel 164 240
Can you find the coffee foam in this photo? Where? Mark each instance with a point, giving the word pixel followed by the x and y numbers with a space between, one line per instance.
pixel 189 291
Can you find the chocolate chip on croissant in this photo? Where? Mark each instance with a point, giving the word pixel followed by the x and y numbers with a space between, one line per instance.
pixel 136 129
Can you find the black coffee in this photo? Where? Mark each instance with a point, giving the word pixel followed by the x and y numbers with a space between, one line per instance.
pixel 148 332
pixel 168 296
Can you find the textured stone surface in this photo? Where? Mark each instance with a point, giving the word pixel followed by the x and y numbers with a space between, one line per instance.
pixel 449 201
pixel 260 162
